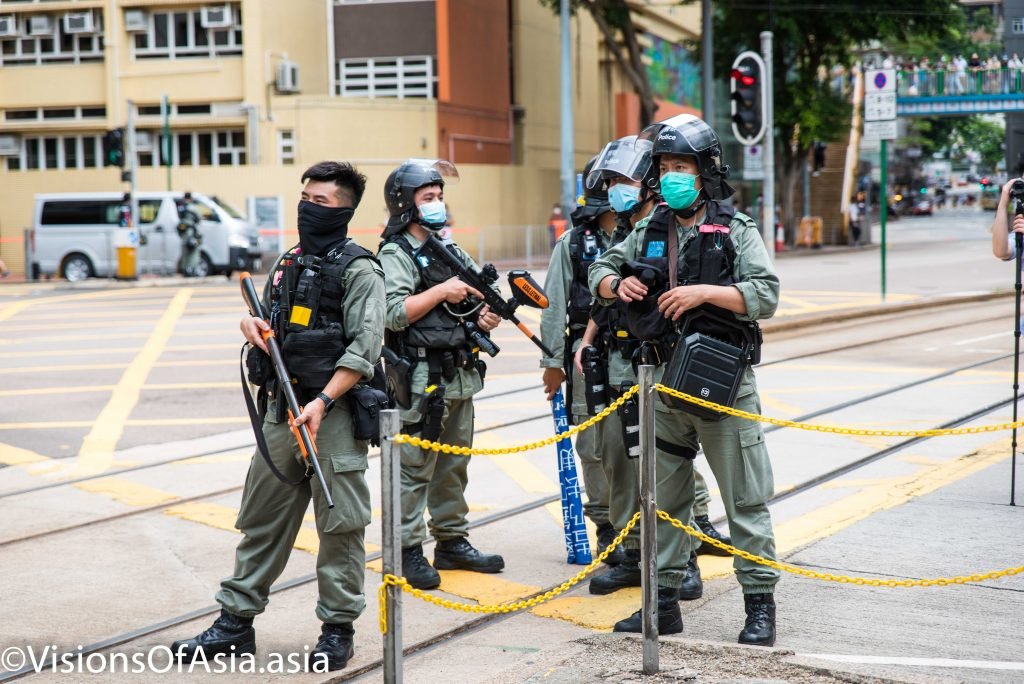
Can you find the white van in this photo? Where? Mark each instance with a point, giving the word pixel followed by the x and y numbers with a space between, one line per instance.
pixel 73 235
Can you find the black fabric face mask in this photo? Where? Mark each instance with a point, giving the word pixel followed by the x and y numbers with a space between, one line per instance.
pixel 321 228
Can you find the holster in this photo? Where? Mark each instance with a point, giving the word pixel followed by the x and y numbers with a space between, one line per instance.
pixel 432 414
pixel 629 413
pixel 399 376
pixel 366 404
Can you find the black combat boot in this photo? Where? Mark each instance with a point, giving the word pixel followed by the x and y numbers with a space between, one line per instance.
pixel 229 634
pixel 670 619
pixel 333 649
pixel 606 534
pixel 625 574
pixel 417 570
pixel 459 554
pixel 692 587
pixel 760 626
pixel 705 526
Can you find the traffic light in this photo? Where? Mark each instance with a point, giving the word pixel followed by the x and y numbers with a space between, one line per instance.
pixel 113 147
pixel 748 97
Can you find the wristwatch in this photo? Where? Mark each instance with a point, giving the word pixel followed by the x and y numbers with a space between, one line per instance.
pixel 328 402
pixel 615 285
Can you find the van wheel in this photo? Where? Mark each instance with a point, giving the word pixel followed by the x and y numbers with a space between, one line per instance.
pixel 204 267
pixel 76 268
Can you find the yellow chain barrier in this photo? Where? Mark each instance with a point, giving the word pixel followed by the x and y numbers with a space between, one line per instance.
pixel 510 607
pixel 842 579
pixel 813 427
pixel 500 451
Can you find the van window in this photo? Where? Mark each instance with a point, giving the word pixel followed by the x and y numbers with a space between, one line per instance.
pixel 80 212
pixel 228 209
pixel 148 210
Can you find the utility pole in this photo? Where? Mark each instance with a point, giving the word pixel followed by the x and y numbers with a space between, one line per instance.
pixel 707 66
pixel 768 207
pixel 568 172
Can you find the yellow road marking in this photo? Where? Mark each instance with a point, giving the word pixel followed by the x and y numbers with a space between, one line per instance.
pixel 529 477
pixel 600 613
pixel 64 337
pixel 97 451
pixel 111 366
pixel 778 406
pixel 131 493
pixel 150 422
pixel 483 588
pixel 74 351
pixel 35 391
pixel 11 310
pixel 12 455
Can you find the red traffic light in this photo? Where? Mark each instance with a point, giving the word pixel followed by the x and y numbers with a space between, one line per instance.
pixel 743 77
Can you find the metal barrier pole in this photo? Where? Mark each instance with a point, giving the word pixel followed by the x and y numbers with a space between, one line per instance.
pixel 648 521
pixel 391 517
pixel 529 247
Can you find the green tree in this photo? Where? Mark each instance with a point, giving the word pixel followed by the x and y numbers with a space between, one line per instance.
pixel 809 40
pixel 615 22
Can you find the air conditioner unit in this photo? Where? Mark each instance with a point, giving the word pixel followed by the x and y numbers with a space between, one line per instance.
pixel 40 25
pixel 143 141
pixel 8 26
pixel 10 145
pixel 216 16
pixel 287 77
pixel 136 20
pixel 79 23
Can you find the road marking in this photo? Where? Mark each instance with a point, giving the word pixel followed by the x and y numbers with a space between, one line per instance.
pixel 529 477
pixel 12 455
pixel 97 451
pixel 131 493
pixel 151 422
pixel 483 588
pixel 75 351
pixel 1010 665
pixel 982 338
pixel 111 366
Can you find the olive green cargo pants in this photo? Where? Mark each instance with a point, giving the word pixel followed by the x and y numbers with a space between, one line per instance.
pixel 272 512
pixel 736 451
pixel 435 481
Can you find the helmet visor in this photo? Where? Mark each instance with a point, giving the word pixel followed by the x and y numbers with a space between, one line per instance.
pixel 619 158
pixel 697 134
pixel 444 168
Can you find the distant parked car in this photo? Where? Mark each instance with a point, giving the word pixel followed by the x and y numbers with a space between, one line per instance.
pixel 922 207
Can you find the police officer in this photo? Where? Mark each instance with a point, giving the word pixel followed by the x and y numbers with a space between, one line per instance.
pixel 191 238
pixel 338 348
pixel 618 171
pixel 431 319
pixel 717 257
pixel 561 325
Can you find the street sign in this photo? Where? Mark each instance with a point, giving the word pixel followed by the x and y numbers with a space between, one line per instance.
pixel 880 81
pixel 753 162
pixel 880 130
pixel 879 106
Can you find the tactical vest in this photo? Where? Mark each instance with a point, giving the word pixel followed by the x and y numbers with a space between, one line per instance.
pixel 306 314
pixel 706 258
pixel 585 246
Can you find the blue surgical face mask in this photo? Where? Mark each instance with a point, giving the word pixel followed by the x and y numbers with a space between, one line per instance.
pixel 433 215
pixel 678 189
pixel 623 197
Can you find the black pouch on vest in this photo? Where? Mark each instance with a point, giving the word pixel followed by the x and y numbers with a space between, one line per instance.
pixel 310 356
pixel 366 404
pixel 643 318
pixel 259 368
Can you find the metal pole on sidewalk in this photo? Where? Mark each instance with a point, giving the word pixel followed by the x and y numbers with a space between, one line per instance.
pixel 768 220
pixel 707 67
pixel 884 210
pixel 567 172
pixel 391 519
pixel 648 521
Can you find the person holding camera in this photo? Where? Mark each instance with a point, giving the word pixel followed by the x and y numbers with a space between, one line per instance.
pixel 1004 245
pixel 326 301
pixel 434 321
pixel 561 327
pixel 700 267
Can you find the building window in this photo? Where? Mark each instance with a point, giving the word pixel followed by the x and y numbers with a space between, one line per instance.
pixel 178 35
pixel 51 44
pixel 57 152
pixel 177 110
pixel 398 77
pixel 198 148
pixel 55 113
pixel 1018 25
pixel 286 146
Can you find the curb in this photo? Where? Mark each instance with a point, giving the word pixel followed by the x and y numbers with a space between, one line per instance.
pixel 881 310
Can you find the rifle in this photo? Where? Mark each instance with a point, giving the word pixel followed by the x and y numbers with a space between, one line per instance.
pixel 284 381
pixel 525 290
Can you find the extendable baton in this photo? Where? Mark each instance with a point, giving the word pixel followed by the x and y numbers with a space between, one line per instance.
pixel 301 432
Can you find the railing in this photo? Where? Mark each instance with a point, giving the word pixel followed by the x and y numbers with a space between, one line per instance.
pixel 951 83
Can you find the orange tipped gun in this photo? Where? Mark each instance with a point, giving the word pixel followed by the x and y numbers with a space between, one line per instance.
pixel 525 289
pixel 284 381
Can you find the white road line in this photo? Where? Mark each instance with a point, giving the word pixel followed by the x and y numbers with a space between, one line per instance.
pixel 918 662
pixel 982 338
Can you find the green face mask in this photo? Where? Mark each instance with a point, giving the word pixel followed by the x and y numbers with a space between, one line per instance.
pixel 678 189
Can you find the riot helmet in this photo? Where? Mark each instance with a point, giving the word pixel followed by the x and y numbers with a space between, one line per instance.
pixel 686 134
pixel 595 200
pixel 621 158
pixel 401 186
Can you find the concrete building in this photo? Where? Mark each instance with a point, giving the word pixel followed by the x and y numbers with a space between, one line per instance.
pixel 267 87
